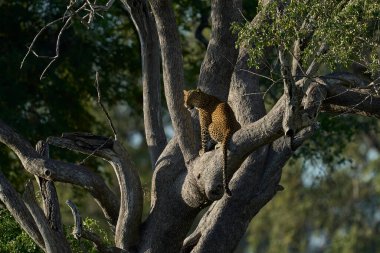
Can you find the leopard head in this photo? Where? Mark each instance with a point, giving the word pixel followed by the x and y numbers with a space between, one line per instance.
pixel 194 98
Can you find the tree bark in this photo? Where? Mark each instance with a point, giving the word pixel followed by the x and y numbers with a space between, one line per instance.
pixel 150 57
pixel 183 182
pixel 172 64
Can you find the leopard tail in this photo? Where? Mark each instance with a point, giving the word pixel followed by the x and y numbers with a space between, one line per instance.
pixel 224 148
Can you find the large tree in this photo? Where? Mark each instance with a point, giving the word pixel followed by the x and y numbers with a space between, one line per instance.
pixel 325 57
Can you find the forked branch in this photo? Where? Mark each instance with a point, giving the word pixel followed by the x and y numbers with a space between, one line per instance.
pixel 79 232
pixel 131 195
pixel 61 171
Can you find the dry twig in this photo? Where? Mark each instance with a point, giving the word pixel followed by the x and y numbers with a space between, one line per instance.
pixel 96 84
pixel 87 11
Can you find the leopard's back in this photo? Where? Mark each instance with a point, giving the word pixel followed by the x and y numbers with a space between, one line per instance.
pixel 224 122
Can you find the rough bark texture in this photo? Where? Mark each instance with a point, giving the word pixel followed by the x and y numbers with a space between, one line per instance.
pixel 172 65
pixel 150 57
pixel 221 53
pixel 49 194
pixel 182 179
pixel 54 242
pixel 131 196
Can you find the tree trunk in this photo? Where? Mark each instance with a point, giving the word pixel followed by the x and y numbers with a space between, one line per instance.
pixel 182 179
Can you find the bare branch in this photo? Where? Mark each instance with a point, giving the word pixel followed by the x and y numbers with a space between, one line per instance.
pixel 190 242
pixel 299 45
pixel 92 9
pixel 338 110
pixel 296 66
pixel 54 242
pixel 96 84
pixel 61 171
pixel 79 232
pixel 316 63
pixel 54 58
pixel 173 76
pixel 150 56
pixel 78 225
pixel 290 93
pixel 19 211
pixel 66 15
pixel 342 99
pixel 257 74
pixel 35 39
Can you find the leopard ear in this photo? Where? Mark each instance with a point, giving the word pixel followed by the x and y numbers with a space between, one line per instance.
pixel 198 90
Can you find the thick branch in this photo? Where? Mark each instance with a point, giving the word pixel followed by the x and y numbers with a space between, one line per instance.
pixel 49 194
pixel 247 108
pixel 244 96
pixel 173 75
pixel 172 209
pixel 150 57
pixel 54 242
pixel 246 100
pixel 222 215
pixel 341 99
pixel 296 56
pixel 131 198
pixel 61 171
pixel 207 168
pixel 219 62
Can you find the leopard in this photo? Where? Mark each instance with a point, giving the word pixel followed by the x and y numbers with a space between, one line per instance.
pixel 217 120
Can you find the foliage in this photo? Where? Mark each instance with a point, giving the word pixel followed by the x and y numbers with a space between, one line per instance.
pixel 323 211
pixel 84 246
pixel 40 102
pixel 63 101
pixel 350 29
pixel 335 133
pixel 12 238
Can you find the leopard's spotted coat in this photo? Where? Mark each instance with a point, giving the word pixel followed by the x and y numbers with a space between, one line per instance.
pixel 216 119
